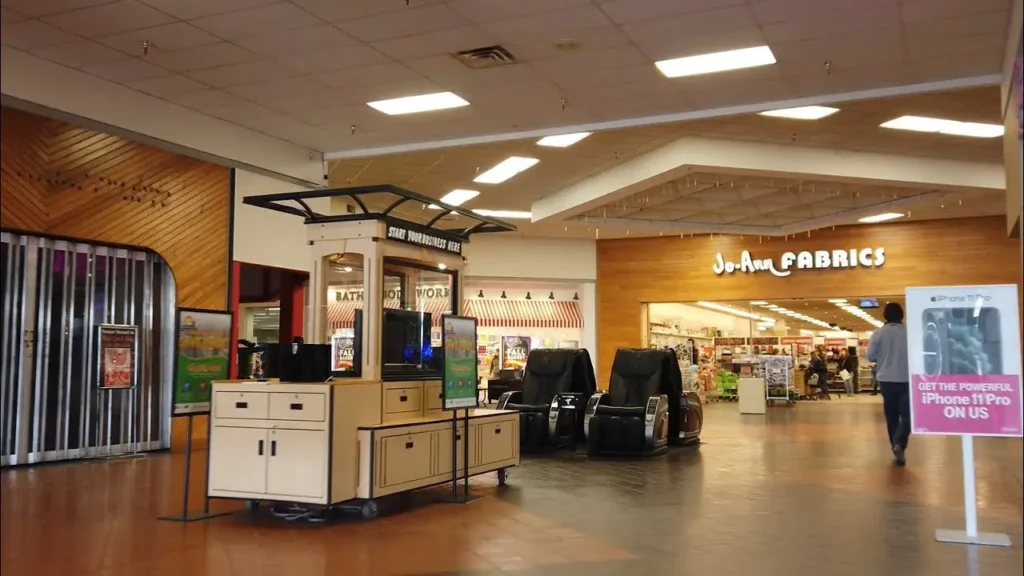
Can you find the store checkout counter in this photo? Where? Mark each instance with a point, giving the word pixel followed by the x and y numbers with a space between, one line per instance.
pixel 377 427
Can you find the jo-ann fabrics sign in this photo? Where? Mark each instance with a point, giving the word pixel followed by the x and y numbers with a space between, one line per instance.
pixel 423 239
pixel 819 259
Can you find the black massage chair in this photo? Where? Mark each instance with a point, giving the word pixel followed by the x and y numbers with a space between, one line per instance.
pixel 556 387
pixel 641 410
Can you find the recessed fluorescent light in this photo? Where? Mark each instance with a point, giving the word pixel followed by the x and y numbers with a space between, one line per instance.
pixel 716 62
pixel 838 301
pixel 507 214
pixel 881 217
pixel 802 113
pixel 759 303
pixel 941 126
pixel 421 103
pixel 506 169
pixel 728 310
pixel 456 197
pixel 562 140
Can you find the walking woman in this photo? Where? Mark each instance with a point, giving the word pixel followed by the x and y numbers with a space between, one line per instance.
pixel 887 348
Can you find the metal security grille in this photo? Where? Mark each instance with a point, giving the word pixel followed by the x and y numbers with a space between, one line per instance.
pixel 54 295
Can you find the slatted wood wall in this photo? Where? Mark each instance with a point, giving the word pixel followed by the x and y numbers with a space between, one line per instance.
pixel 70 181
pixel 928 253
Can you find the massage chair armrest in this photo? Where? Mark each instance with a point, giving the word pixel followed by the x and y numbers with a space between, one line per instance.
pixel 595 400
pixel 511 397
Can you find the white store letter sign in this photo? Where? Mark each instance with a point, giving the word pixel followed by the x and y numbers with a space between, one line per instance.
pixel 819 259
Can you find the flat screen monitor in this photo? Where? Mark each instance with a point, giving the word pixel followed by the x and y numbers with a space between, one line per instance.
pixel 405 346
pixel 869 302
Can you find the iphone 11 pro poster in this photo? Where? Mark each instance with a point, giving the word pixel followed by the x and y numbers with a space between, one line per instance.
pixel 964 358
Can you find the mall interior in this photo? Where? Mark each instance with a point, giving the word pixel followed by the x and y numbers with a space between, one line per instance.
pixel 275 272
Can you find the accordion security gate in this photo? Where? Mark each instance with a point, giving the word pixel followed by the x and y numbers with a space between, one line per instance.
pixel 54 295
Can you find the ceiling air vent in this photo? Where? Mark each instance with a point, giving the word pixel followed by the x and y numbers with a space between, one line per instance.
pixel 488 57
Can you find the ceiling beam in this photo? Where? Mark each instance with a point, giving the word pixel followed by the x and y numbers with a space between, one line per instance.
pixel 689 154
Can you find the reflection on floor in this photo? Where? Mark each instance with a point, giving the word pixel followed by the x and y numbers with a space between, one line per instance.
pixel 804 491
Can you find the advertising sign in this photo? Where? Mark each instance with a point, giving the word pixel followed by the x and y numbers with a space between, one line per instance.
pixel 459 372
pixel 764 341
pixel 964 348
pixel 423 239
pixel 818 259
pixel 514 352
pixel 835 342
pixel 116 365
pixel 343 353
pixel 204 337
pixel 730 341
pixel 798 340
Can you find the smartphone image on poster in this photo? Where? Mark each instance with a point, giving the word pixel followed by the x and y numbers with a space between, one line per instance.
pixel 964 340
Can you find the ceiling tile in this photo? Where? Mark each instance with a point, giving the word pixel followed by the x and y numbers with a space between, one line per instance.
pixel 127 70
pixel 8 16
pixel 361 93
pixel 630 11
pixel 33 34
pixel 323 38
pixel 815 25
pixel 774 11
pixel 80 53
pixel 581 64
pixel 558 24
pixel 391 73
pixel 199 57
pixel 109 19
pixel 399 24
pixel 709 22
pixel 266 90
pixel 589 40
pixel 341 10
pixel 166 38
pixel 38 8
pixel 257 21
pixel 688 44
pixel 168 86
pixel 189 9
pixel 441 42
pixel 946 30
pixel 491 10
pixel 206 99
pixel 237 74
pixel 843 51
pixel 337 59
pixel 915 11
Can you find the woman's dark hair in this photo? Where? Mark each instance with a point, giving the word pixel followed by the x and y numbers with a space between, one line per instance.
pixel 893 313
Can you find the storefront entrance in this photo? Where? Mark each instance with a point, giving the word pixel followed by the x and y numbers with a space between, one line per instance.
pixel 55 295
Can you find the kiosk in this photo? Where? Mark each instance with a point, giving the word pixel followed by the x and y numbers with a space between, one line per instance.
pixel 376 426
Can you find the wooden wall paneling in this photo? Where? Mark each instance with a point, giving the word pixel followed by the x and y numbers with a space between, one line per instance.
pixel 937 252
pixel 70 181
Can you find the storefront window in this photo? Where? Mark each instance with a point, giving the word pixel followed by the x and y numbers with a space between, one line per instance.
pixel 261 324
pixel 343 324
pixel 415 298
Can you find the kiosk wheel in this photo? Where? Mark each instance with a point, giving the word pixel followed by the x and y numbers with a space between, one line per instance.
pixel 502 476
pixel 369 510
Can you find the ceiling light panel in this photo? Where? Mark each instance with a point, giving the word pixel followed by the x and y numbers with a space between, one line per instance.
pixel 416 104
pixel 716 62
pixel 802 113
pixel 942 126
pixel 458 197
pixel 506 169
pixel 505 214
pixel 881 217
pixel 562 140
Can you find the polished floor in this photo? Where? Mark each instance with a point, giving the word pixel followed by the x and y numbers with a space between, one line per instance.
pixel 807 490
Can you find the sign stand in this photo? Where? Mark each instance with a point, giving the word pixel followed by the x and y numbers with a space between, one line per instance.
pixel 971 534
pixel 458 391
pixel 205 514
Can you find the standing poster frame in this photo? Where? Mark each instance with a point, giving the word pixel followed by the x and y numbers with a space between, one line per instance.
pixel 101 360
pixel 459 374
pixel 179 408
pixel 964 351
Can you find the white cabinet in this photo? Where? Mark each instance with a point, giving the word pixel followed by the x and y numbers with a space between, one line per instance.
pixel 297 463
pixel 246 469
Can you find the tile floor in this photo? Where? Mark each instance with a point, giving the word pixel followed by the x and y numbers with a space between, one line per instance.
pixel 803 491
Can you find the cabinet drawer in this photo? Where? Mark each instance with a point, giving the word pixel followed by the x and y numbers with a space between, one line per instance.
pixel 309 407
pixel 245 405
pixel 497 441
pixel 405 459
pixel 444 451
pixel 432 397
pixel 403 400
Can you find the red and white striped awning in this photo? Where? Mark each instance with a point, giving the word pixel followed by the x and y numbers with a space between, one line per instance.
pixel 341 314
pixel 524 313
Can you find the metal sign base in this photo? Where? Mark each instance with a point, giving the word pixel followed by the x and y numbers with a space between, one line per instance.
pixel 982 539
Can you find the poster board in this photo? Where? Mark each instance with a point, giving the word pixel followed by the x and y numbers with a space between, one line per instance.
pixel 117 357
pixel 202 355
pixel 964 358
pixel 514 352
pixel 459 374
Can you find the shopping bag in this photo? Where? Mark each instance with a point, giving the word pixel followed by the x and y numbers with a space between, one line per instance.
pixel 845 375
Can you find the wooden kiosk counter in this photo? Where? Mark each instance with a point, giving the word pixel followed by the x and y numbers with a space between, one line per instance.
pixel 375 429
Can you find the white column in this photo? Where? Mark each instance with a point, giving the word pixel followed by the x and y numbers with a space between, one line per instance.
pixel 588 306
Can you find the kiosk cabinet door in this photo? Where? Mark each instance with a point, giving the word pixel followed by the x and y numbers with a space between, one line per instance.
pixel 297 463
pixel 238 460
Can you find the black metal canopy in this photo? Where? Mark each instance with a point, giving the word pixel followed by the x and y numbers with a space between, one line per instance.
pixel 279 203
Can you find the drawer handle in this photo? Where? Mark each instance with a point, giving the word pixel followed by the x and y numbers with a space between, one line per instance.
pixel 458 437
pixel 260 451
pixel 409 445
pixel 296 406
pixel 241 405
pixel 497 430
pixel 403 398
pixel 273 447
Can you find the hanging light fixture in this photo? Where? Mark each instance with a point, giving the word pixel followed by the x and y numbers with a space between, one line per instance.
pixel 481 294
pixel 503 295
pixel 551 295
pixel 528 296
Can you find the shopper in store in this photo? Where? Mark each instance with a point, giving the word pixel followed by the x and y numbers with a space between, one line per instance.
pixel 887 348
pixel 848 363
pixel 818 366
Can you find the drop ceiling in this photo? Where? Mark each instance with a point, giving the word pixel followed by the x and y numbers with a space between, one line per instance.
pixel 303 70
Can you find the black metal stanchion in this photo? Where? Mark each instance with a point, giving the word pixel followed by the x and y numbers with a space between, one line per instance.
pixel 205 514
